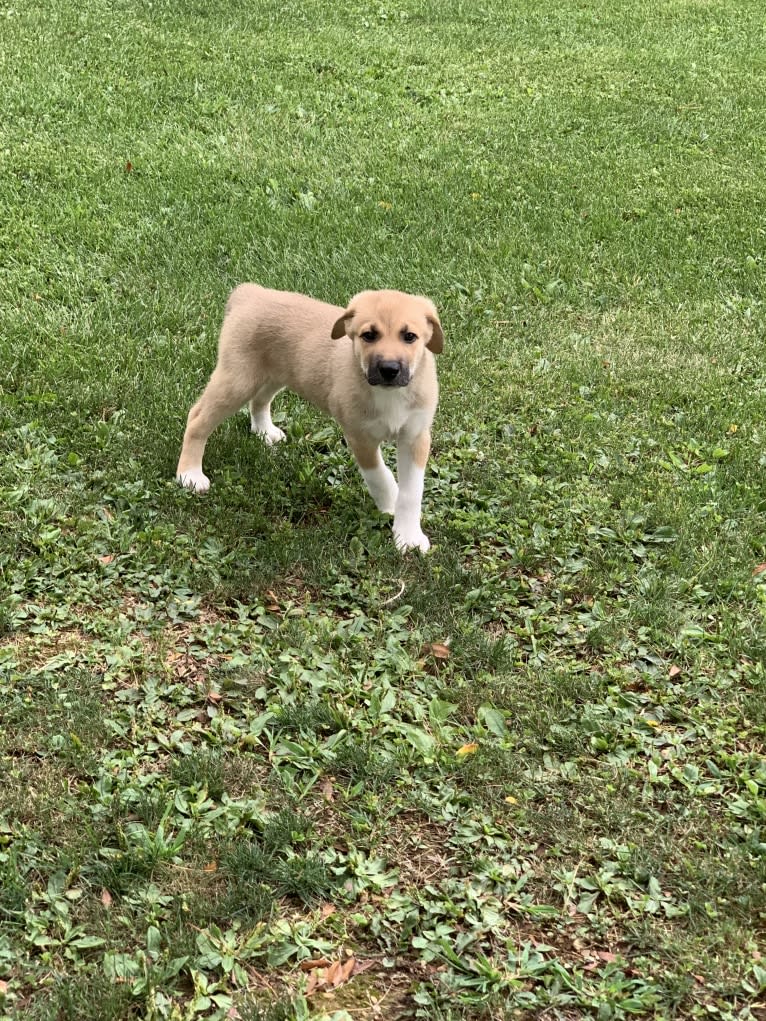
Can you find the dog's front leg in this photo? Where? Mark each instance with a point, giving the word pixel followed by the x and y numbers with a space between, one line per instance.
pixel 411 456
pixel 378 478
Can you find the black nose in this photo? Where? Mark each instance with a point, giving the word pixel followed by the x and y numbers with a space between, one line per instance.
pixel 389 370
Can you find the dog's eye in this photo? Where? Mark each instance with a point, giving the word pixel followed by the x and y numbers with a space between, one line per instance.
pixel 369 336
pixel 410 337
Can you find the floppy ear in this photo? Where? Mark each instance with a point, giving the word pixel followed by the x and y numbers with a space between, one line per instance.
pixel 339 329
pixel 436 343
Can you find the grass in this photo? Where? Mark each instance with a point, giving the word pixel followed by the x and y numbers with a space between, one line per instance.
pixel 255 764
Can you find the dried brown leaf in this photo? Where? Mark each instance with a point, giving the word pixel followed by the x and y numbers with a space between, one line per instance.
pixel 328 974
pixel 331 974
pixel 315 982
pixel 342 973
pixel 439 650
pixel 314 963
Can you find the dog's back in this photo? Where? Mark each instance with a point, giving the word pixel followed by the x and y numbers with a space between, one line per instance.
pixel 284 338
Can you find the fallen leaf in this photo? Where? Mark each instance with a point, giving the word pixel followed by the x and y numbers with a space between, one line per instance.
pixel 439 650
pixel 467 749
pixel 329 974
pixel 107 558
pixel 327 789
pixel 510 800
pixel 759 569
pixel 214 697
pixel 604 955
pixel 212 866
pixel 346 971
pixel 313 963
pixel 327 910
pixel 674 671
pixel 314 982
pixel 106 898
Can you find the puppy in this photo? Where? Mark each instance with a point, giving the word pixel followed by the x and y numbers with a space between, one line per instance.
pixel 370 366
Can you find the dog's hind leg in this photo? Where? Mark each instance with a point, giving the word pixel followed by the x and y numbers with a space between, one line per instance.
pixel 260 414
pixel 225 394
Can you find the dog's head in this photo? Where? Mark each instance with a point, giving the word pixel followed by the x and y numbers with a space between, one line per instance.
pixel 390 331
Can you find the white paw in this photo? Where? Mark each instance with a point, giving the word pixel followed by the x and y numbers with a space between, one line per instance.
pixel 270 435
pixel 382 487
pixel 411 539
pixel 194 479
pixel 386 502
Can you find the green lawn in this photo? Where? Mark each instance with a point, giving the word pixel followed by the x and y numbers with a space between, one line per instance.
pixel 255 764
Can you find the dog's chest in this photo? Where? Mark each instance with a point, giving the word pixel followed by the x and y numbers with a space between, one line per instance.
pixel 389 412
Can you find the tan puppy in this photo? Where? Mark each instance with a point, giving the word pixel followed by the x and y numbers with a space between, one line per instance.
pixel 371 367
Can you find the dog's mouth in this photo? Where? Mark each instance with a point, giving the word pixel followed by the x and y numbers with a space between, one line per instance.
pixel 388 373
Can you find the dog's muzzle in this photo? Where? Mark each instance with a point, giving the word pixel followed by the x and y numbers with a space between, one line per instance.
pixel 388 373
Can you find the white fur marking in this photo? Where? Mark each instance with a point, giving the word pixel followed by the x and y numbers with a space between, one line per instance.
pixel 195 480
pixel 391 412
pixel 381 483
pixel 261 425
pixel 407 531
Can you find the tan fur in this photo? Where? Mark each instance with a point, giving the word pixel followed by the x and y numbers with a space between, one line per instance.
pixel 274 339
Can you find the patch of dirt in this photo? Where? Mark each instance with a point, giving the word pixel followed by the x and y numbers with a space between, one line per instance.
pixel 34 651
pixel 374 992
pixel 416 847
